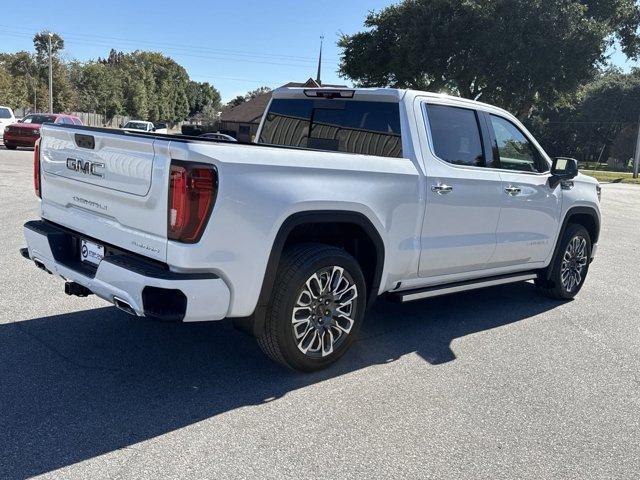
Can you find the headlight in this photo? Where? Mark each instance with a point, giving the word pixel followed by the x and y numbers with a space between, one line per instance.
pixel 6 129
pixel 599 192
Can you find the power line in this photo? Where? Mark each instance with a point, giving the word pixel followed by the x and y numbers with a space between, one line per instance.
pixel 235 79
pixel 101 40
pixel 3 30
pixel 205 57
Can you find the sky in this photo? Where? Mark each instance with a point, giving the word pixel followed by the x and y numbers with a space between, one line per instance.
pixel 235 46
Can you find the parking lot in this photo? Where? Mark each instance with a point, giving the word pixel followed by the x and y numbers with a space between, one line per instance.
pixel 497 383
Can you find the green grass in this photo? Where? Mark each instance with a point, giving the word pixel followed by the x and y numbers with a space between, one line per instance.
pixel 616 177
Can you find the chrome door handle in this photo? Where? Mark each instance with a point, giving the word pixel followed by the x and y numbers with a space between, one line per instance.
pixel 513 191
pixel 441 189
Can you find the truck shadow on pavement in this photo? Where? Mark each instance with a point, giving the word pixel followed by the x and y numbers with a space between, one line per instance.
pixel 84 384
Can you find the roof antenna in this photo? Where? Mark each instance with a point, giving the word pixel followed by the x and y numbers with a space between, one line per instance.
pixel 319 62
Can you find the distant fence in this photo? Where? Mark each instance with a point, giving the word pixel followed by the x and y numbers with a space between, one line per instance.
pixel 98 120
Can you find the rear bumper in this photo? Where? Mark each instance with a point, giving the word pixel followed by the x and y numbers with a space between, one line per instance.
pixel 148 287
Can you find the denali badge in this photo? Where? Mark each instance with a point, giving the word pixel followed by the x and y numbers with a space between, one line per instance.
pixel 145 247
pixel 85 166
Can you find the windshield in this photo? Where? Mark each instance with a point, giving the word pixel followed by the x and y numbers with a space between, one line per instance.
pixel 136 125
pixel 5 112
pixel 38 119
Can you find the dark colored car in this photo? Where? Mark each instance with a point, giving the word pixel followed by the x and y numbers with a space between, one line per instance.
pixel 218 136
pixel 25 132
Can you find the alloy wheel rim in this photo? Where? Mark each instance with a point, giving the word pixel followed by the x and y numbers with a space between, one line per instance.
pixel 574 262
pixel 324 312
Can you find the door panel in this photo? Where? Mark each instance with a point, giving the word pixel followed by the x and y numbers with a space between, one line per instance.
pixel 459 229
pixel 463 197
pixel 529 219
pixel 530 212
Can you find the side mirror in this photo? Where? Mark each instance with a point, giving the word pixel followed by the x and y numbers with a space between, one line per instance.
pixel 563 168
pixel 120 125
pixel 20 121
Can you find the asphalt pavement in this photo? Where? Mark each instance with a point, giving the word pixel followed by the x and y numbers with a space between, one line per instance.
pixel 499 383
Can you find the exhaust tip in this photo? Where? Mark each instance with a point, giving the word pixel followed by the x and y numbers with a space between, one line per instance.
pixel 124 306
pixel 41 266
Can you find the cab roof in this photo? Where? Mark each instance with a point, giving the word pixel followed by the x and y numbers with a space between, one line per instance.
pixel 378 95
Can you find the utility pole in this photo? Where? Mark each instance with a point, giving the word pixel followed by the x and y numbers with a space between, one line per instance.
pixel 50 77
pixel 318 79
pixel 636 157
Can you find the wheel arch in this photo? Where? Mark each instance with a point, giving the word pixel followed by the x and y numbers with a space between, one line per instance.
pixel 582 215
pixel 304 227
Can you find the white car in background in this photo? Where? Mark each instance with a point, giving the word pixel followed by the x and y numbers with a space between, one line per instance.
pixel 144 126
pixel 6 119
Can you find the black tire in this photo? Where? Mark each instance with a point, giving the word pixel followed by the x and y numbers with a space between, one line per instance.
pixel 298 264
pixel 10 147
pixel 554 287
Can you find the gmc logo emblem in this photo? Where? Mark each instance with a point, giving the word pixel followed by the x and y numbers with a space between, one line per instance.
pixel 85 166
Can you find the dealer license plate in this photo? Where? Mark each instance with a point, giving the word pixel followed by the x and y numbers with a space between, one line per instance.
pixel 91 252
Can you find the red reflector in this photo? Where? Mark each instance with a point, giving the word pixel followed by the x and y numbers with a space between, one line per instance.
pixel 36 169
pixel 192 191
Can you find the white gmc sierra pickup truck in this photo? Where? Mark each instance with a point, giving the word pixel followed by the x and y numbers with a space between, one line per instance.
pixel 346 195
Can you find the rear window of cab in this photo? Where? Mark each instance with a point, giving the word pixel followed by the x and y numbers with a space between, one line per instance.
pixel 350 126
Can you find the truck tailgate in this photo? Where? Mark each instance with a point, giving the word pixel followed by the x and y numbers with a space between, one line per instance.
pixel 111 186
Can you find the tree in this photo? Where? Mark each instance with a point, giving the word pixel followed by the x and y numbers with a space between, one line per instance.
pixel 140 84
pixel 514 53
pixel 21 73
pixel 201 95
pixel 41 43
pixel 12 92
pixel 258 91
pixel 210 114
pixel 599 121
pixel 98 89
pixel 240 99
pixel 63 95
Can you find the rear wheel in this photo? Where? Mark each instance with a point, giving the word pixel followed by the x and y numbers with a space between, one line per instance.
pixel 316 309
pixel 570 267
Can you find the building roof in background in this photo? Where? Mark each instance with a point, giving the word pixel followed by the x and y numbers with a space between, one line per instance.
pixel 247 112
pixel 251 111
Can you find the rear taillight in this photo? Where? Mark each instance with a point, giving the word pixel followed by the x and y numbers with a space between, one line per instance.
pixel 37 184
pixel 192 192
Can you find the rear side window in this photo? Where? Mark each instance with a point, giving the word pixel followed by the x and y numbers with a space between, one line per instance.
pixel 76 121
pixel 515 150
pixel 369 128
pixel 456 135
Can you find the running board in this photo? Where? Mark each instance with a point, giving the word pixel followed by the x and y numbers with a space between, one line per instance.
pixel 446 289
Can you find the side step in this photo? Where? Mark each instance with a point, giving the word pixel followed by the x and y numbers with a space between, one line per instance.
pixel 446 289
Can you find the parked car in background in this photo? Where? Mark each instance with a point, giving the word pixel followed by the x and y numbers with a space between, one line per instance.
pixel 6 119
pixel 218 136
pixel 144 126
pixel 25 132
pixel 160 127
